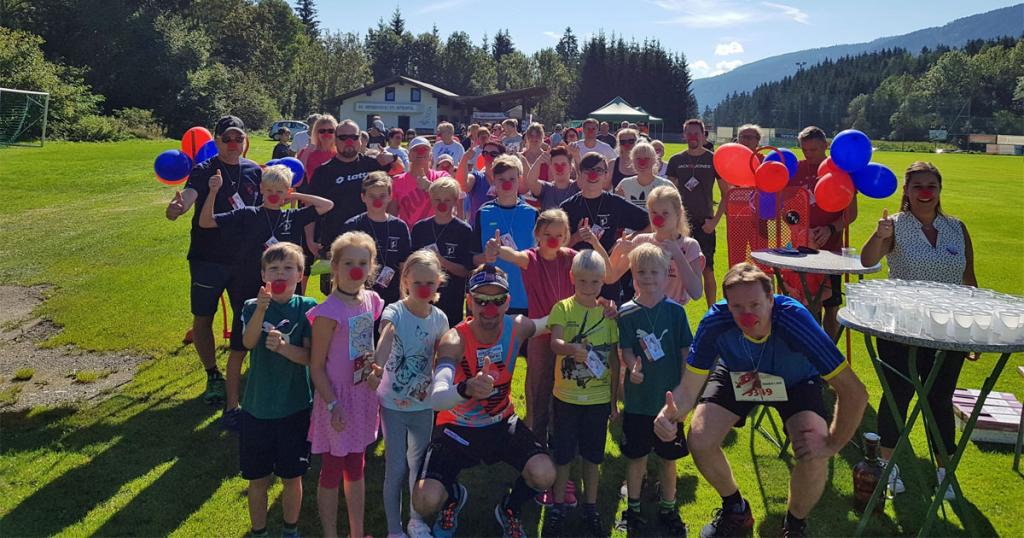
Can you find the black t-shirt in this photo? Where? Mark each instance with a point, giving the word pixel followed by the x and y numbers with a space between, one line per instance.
pixel 608 139
pixel 393 247
pixel 454 242
pixel 209 244
pixel 697 195
pixel 377 141
pixel 282 150
pixel 610 211
pixel 341 183
pixel 252 227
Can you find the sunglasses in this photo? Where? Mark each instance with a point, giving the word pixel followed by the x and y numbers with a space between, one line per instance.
pixel 348 137
pixel 601 170
pixel 491 153
pixel 227 140
pixel 325 131
pixel 627 141
pixel 484 300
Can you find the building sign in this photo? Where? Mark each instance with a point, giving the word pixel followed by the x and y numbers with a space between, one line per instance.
pixel 489 116
pixel 937 134
pixel 388 107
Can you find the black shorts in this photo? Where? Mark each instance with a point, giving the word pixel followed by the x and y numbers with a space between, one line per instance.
pixel 638 439
pixel 579 429
pixel 706 241
pixel 210 280
pixel 454 448
pixel 837 292
pixel 803 396
pixel 277 446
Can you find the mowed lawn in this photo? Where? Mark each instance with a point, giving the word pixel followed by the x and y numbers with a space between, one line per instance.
pixel 150 460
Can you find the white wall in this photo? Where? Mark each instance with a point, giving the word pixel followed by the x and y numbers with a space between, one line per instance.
pixel 422 115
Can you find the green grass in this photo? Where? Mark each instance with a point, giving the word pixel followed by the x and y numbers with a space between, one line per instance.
pixel 9 396
pixel 91 376
pixel 88 219
pixel 24 374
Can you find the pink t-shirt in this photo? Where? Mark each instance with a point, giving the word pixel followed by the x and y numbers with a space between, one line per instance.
pixel 674 288
pixel 413 204
pixel 313 159
pixel 547 281
pixel 358 403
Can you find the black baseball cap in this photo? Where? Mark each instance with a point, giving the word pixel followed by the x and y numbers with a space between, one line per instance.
pixel 228 123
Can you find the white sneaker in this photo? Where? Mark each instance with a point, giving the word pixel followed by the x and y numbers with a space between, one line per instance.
pixel 418 529
pixel 940 475
pixel 895 480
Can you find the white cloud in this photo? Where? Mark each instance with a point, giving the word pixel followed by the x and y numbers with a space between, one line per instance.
pixel 555 36
pixel 719 19
pixel 725 49
pixel 789 11
pixel 701 69
pixel 442 5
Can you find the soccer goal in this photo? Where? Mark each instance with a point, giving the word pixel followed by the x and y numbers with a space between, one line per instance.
pixel 23 117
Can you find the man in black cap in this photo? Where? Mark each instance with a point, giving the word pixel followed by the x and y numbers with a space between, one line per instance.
pixel 212 257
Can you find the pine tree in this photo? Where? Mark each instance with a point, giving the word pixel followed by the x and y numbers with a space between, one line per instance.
pixel 502 45
pixel 306 11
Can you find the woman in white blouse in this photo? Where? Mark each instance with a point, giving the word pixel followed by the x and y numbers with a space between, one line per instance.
pixel 921 243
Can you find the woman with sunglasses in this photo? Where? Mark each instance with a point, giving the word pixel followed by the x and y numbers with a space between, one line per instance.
pixel 321 147
pixel 622 167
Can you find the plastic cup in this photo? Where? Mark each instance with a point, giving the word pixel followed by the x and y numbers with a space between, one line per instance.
pixel 963 320
pixel 981 330
pixel 910 319
pixel 1011 326
pixel 939 318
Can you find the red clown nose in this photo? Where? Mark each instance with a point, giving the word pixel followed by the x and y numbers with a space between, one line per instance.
pixel 277 287
pixel 378 203
pixel 553 242
pixel 442 208
pixel 506 185
pixel 490 310
pixel 748 320
pixel 356 273
pixel 658 221
pixel 925 193
pixel 424 292
pixel 560 168
pixel 274 199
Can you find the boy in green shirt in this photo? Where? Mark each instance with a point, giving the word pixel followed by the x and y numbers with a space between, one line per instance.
pixel 276 405
pixel 586 387
pixel 654 337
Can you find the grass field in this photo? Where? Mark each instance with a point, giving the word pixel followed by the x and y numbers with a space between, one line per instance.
pixel 88 219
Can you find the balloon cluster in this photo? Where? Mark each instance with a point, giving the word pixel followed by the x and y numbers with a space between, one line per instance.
pixel 173 166
pixel 293 164
pixel 841 176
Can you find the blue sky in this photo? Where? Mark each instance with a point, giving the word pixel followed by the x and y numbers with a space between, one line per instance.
pixel 715 35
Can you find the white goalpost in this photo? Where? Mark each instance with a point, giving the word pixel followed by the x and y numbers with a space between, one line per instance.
pixel 23 117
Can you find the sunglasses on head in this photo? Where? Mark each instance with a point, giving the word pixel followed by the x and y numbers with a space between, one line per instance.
pixel 328 130
pixel 348 137
pixel 484 300
pixel 227 140
pixel 627 141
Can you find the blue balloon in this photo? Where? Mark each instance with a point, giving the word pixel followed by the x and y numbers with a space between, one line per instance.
pixel 298 171
pixel 851 150
pixel 272 162
pixel 172 165
pixel 766 205
pixel 875 181
pixel 207 152
pixel 788 158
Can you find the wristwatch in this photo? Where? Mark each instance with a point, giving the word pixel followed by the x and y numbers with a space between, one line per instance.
pixel 331 406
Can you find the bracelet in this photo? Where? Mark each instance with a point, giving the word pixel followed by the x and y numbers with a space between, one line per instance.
pixel 331 405
pixel 461 389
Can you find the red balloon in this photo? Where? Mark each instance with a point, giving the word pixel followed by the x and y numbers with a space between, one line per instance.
pixel 732 163
pixel 772 176
pixel 828 167
pixel 834 192
pixel 194 139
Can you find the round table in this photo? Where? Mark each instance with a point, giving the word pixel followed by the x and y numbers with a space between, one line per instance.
pixel 913 341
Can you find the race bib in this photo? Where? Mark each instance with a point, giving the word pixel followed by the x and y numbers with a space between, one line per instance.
pixel 508 241
pixel 385 276
pixel 652 346
pixel 757 386
pixel 597 230
pixel 487 358
pixel 595 364
pixel 270 242
pixel 433 248
pixel 236 201
pixel 360 335
pixel 692 184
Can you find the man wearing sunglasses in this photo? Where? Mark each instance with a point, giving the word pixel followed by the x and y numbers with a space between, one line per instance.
pixel 211 255
pixel 476 421
pixel 341 181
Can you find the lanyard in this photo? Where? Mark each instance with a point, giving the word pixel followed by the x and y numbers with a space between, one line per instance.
pixel 273 229
pixel 439 235
pixel 554 284
pixel 654 324
pixel 586 205
pixel 750 356
pixel 373 230
pixel 584 332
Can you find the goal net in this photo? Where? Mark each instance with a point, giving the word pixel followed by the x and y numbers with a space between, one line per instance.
pixel 23 117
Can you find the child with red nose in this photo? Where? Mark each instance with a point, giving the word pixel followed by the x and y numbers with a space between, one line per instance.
pixel 345 413
pixel 545 269
pixel 389 233
pixel 672 234
pixel 256 229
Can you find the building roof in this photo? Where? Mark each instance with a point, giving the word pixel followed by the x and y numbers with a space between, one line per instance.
pixel 438 91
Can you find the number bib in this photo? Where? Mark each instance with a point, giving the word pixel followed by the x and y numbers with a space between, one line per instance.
pixel 597 230
pixel 385 276
pixel 652 346
pixel 692 184
pixel 236 201
pixel 757 386
pixel 595 364
pixel 508 241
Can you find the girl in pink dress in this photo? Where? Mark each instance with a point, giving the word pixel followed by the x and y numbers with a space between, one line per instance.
pixel 345 410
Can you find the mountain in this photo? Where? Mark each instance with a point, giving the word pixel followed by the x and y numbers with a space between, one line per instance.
pixel 1007 21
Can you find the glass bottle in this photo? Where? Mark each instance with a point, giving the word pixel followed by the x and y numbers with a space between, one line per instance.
pixel 867 474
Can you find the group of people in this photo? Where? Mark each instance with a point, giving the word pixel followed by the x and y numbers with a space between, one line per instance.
pixel 451 260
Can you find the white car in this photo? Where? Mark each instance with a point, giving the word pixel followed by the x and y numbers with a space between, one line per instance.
pixel 295 126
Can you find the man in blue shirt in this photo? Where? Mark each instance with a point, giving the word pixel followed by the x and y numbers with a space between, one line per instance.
pixel 772 353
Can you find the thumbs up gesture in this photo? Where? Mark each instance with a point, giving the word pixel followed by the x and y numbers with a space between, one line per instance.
pixel 492 248
pixel 480 386
pixel 216 181
pixel 584 233
pixel 666 423
pixel 263 297
pixel 376 373
pixel 885 226
pixel 636 374
pixel 176 208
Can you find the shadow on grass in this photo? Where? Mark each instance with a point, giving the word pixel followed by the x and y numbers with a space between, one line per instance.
pixel 157 431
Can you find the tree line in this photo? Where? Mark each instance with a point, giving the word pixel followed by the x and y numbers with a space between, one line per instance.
pixel 895 94
pixel 179 63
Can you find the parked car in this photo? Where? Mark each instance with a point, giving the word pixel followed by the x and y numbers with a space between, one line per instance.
pixel 295 126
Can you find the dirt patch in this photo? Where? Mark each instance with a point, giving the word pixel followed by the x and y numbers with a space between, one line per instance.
pixel 59 376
